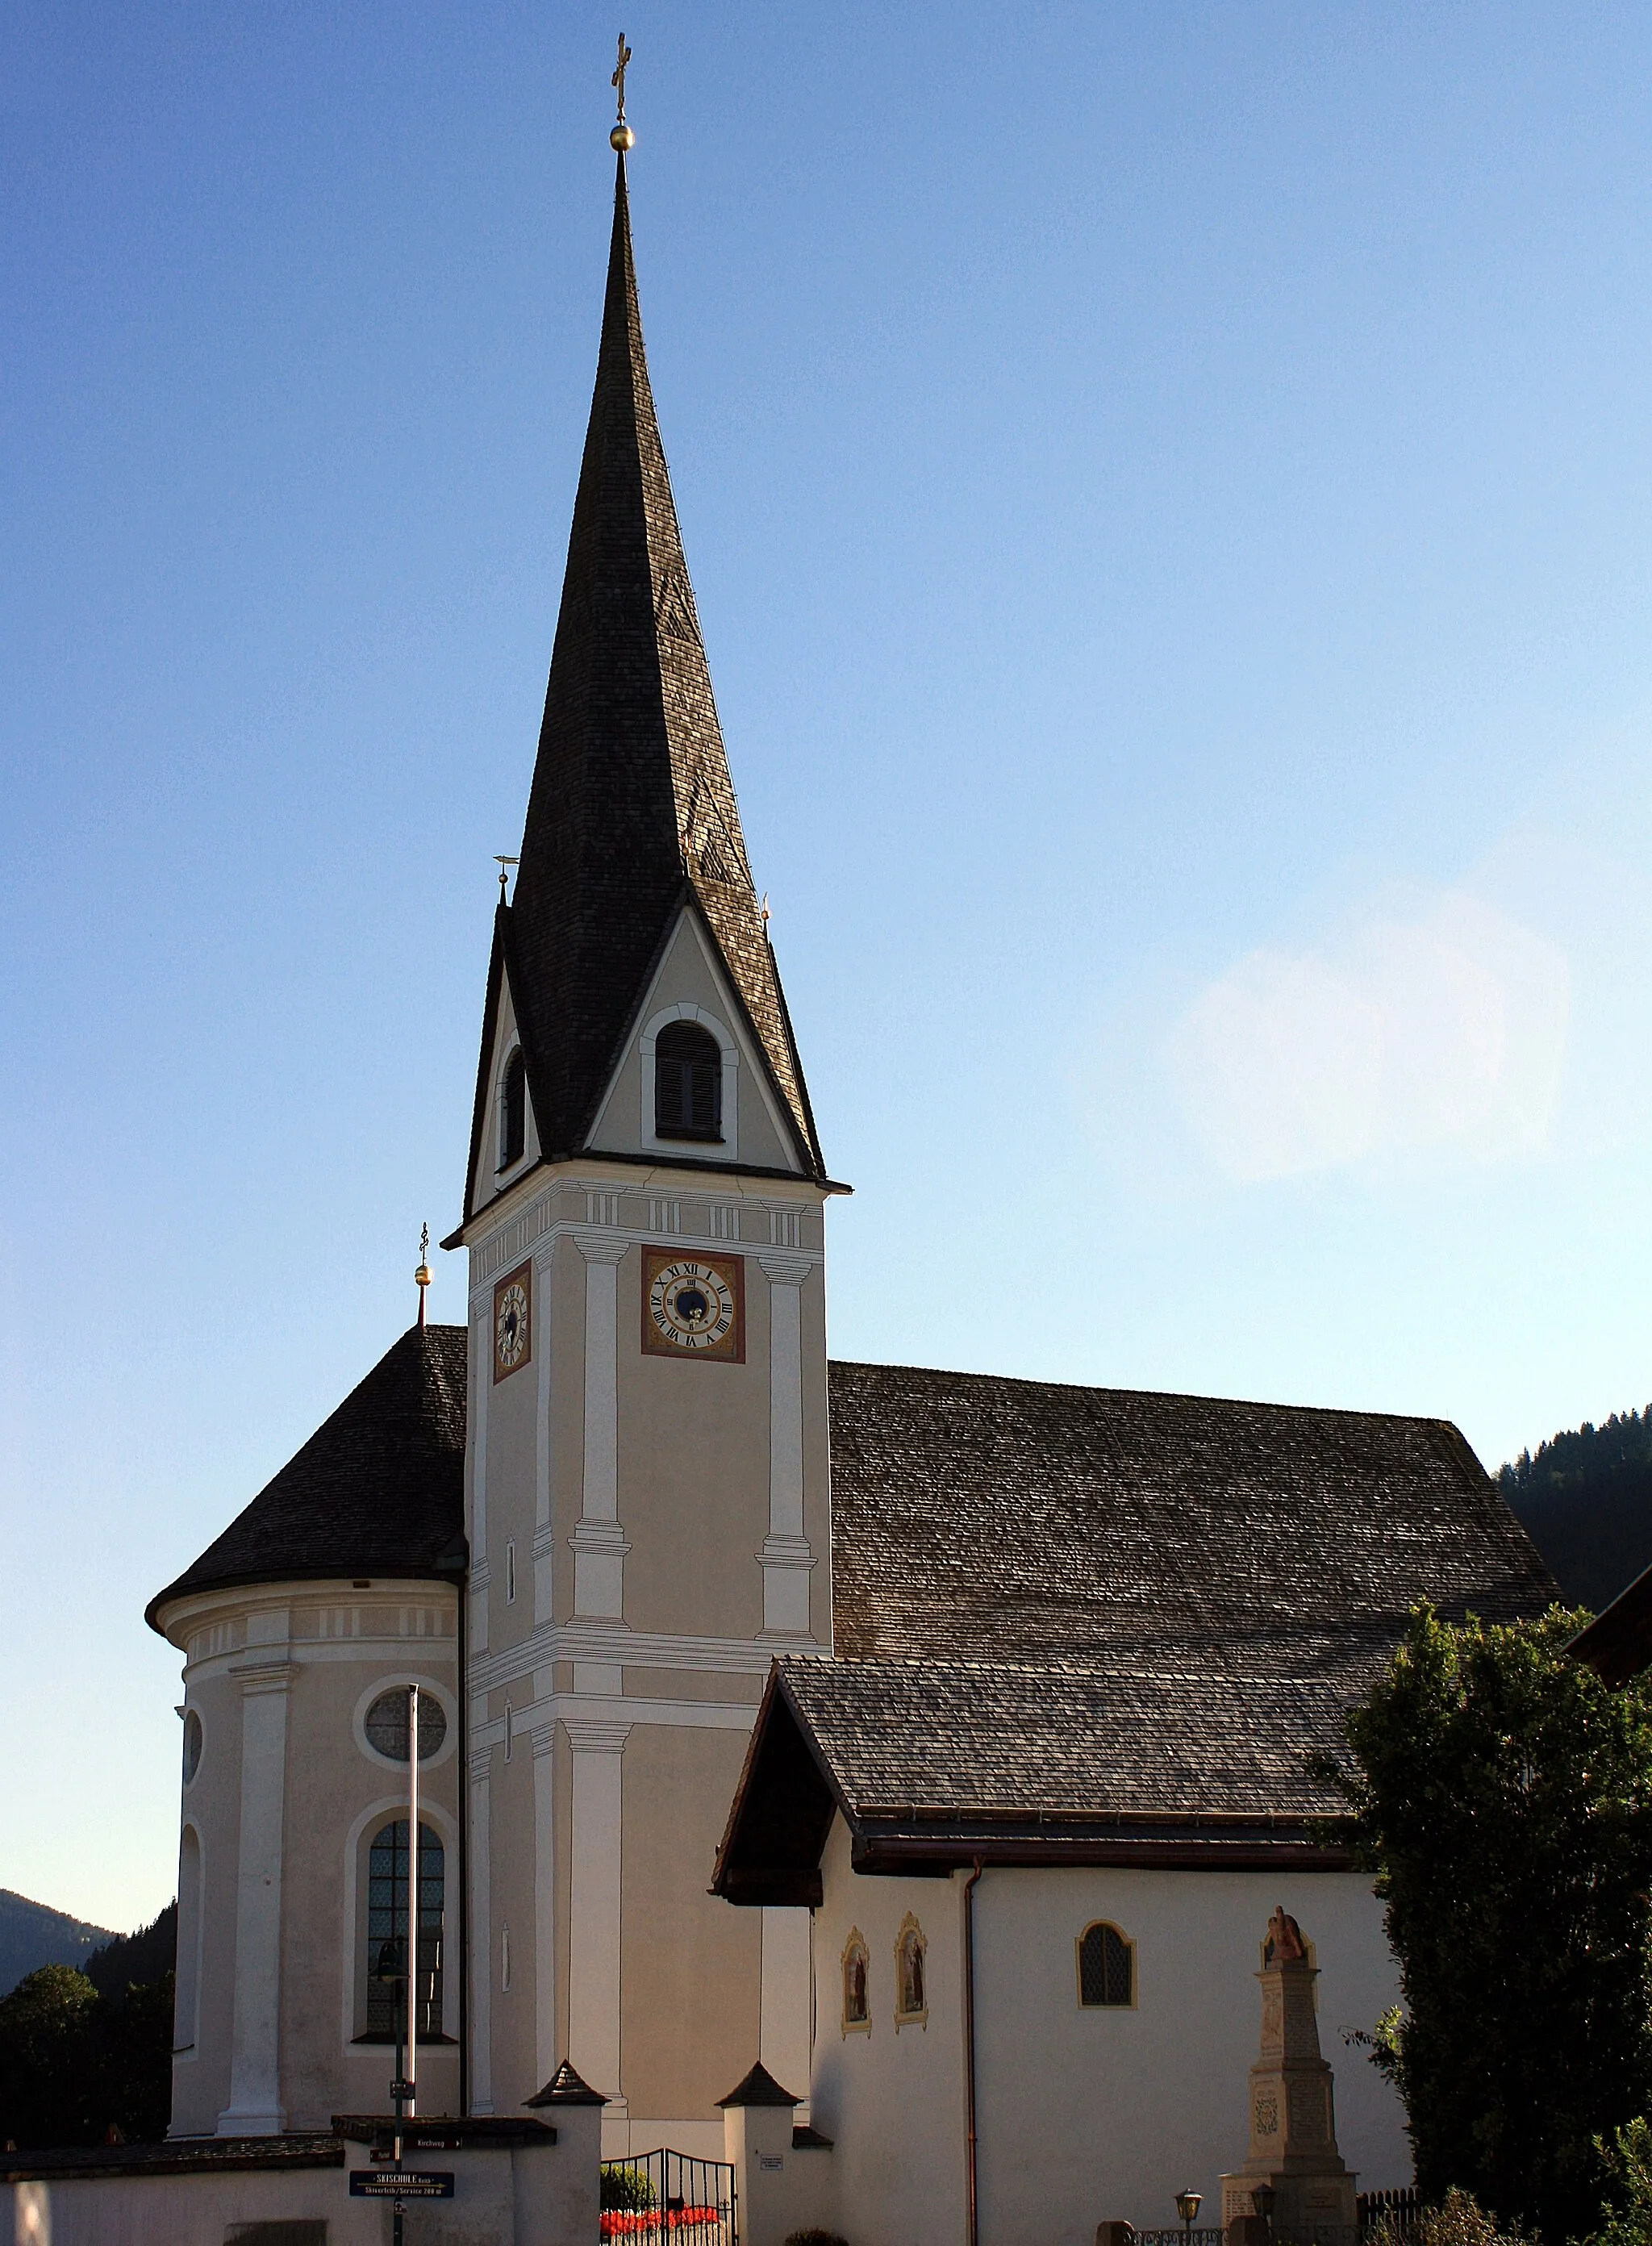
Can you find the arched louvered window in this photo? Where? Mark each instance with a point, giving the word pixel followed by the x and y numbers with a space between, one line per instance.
pixel 512 1111
pixel 1107 1966
pixel 387 1930
pixel 688 1083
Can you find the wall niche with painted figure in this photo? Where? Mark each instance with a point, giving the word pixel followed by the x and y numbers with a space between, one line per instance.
pixel 857 2009
pixel 911 1975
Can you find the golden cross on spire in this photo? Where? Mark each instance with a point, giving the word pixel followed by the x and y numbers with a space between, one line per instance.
pixel 618 79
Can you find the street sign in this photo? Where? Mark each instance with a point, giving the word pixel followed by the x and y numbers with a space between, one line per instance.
pixel 400 2183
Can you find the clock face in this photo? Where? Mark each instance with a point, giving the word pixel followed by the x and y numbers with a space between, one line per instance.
pixel 512 1321
pixel 692 1305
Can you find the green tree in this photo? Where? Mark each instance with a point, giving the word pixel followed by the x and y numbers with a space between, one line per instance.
pixel 48 2087
pixel 1628 2212
pixel 75 2064
pixel 1502 1796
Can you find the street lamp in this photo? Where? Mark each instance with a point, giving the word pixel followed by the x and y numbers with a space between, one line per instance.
pixel 1187 2205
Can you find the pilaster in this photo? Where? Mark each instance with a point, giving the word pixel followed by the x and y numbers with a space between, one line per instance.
pixel 255 2107
pixel 481 1930
pixel 599 1542
pixel 784 1555
pixel 593 1905
pixel 544 1742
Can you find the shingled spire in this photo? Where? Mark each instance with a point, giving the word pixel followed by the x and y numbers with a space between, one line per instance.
pixel 632 815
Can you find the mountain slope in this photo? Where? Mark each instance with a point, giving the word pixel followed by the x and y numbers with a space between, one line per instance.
pixel 31 1935
pixel 1585 1500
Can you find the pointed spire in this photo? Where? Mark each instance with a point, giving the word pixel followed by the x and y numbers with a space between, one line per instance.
pixel 632 809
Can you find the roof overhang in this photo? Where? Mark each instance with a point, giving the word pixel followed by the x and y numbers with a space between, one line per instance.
pixel 788 1796
pixel 174 1614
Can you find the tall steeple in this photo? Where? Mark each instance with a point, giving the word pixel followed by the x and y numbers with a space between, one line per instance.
pixel 632 816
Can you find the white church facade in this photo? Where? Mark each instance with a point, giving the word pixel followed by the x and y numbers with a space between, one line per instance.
pixel 937 1743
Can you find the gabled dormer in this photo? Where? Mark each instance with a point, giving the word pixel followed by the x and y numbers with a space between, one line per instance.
pixel 634 941
pixel 504 1138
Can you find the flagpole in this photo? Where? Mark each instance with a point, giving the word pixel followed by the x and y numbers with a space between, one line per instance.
pixel 412 1899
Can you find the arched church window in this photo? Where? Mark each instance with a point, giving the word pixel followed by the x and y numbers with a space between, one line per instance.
pixel 857 2011
pixel 512 1111
pixel 688 1083
pixel 387 1931
pixel 386 1724
pixel 911 1991
pixel 1107 1966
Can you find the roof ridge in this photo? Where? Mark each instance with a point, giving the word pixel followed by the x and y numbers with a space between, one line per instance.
pixel 1152 1395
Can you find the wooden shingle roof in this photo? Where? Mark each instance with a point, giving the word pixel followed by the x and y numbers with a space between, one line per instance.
pixel 632 813
pixel 379 1490
pixel 1099 1625
pixel 981 1518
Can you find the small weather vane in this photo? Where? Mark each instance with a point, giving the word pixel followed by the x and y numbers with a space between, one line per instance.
pixel 622 137
pixel 504 865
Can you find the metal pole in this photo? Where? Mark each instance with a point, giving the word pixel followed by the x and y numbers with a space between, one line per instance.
pixel 412 1899
pixel 970 2147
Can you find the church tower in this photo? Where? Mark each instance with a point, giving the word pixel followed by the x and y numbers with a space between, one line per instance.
pixel 646 1502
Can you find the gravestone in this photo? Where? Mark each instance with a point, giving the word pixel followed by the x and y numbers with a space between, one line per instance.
pixel 1293 2124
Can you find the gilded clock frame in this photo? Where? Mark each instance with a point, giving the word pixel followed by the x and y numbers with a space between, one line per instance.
pixel 523 1277
pixel 731 1269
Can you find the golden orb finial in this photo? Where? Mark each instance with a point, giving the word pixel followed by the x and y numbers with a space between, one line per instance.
pixel 622 137
pixel 421 1277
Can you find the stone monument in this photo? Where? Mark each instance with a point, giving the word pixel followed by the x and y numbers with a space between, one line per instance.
pixel 1292 2129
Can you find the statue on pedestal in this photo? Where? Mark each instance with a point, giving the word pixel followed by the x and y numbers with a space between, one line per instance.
pixel 1292 2132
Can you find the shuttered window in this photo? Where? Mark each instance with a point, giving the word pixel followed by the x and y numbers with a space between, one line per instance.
pixel 688 1083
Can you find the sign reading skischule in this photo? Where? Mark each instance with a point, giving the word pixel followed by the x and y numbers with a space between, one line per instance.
pixel 401 2183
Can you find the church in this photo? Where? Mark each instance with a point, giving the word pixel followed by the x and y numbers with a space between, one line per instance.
pixel 935 1744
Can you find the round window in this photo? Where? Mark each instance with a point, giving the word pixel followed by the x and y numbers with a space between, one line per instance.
pixel 386 1724
pixel 192 1745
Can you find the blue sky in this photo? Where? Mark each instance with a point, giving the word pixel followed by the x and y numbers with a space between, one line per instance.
pixel 1167 493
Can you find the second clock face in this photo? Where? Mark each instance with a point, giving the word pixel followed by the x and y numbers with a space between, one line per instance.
pixel 512 1321
pixel 692 1305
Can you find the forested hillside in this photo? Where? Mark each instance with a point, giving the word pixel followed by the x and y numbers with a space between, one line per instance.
pixel 32 1935
pixel 1585 1500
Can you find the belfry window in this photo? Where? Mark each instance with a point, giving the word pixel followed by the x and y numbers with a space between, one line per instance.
pixel 387 1931
pixel 1107 1966
pixel 688 1083
pixel 512 1111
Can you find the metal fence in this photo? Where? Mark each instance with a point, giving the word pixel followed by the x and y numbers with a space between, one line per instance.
pixel 669 2197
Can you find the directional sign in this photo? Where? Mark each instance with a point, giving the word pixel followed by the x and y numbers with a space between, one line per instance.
pixel 399 2183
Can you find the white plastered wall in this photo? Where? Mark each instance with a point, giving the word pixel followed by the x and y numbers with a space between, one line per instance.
pixel 275 2044
pixel 1084 2115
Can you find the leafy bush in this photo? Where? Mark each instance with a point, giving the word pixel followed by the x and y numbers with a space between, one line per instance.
pixel 1459 2220
pixel 815 2239
pixel 1627 2214
pixel 625 2190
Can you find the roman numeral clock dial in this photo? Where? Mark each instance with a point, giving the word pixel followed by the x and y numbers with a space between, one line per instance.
pixel 694 1306
pixel 513 1322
